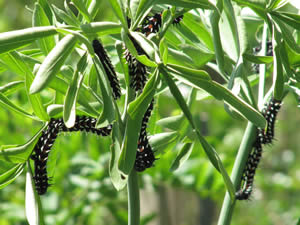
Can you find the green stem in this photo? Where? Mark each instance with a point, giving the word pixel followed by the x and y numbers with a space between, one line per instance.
pixel 262 69
pixel 239 164
pixel 133 199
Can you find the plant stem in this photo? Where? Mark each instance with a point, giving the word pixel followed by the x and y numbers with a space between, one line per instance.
pixel 239 164
pixel 262 69
pixel 133 199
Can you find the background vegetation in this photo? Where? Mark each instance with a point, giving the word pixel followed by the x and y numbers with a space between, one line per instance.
pixel 83 193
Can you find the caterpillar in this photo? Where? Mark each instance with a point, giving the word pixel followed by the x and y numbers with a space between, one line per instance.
pixel 263 137
pixel 40 156
pixel 43 147
pixel 108 67
pixel 137 70
pixel 249 172
pixel 270 113
pixel 152 24
pixel 145 155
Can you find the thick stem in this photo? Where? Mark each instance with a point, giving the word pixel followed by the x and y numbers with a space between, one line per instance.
pixel 239 164
pixel 133 199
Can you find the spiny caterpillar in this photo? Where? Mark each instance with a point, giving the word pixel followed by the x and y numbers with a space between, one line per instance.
pixel 40 156
pixel 46 141
pixel 249 172
pixel 152 24
pixel 108 67
pixel 144 156
pixel 137 70
pixel 269 112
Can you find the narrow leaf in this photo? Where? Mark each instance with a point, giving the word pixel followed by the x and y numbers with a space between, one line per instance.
pixel 222 93
pixel 6 103
pixel 40 19
pixel 15 39
pixel 10 175
pixel 79 4
pixel 20 153
pixel 34 213
pixel 69 115
pixel 52 63
pixel 182 156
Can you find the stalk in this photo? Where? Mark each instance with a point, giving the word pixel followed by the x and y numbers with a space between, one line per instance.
pixel 239 165
pixel 133 199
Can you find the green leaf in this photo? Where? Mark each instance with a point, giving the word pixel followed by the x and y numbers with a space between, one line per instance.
pixel 67 18
pixel 278 80
pixel 139 12
pixel 119 181
pixel 108 114
pixel 79 4
pixel 199 29
pixel 288 18
pixel 163 49
pixel 214 20
pixel 118 8
pixel 178 57
pixel 172 123
pixel 147 45
pixel 258 59
pixel 141 58
pixel 182 156
pixel 259 5
pixel 204 4
pixel 40 19
pixel 35 100
pixel 287 35
pixel 136 111
pixel 222 93
pixel 199 74
pixel 11 87
pixel 233 27
pixel 69 115
pixel 6 103
pixel 15 39
pixel 209 150
pixel 11 174
pixel 161 140
pixel 52 63
pixel 46 7
pixel 19 154
pixel 34 212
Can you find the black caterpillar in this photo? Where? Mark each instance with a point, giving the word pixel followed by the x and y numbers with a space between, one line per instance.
pixel 263 137
pixel 137 70
pixel 138 74
pixel 152 24
pixel 108 67
pixel 249 172
pixel 47 139
pixel 145 155
pixel 270 112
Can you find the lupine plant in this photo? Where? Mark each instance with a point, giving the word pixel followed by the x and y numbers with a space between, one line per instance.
pixel 180 48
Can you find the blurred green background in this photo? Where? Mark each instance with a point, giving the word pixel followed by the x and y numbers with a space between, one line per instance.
pixel 83 194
